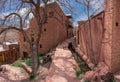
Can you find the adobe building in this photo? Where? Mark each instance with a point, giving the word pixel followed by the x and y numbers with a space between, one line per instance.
pixel 9 52
pixel 53 31
pixel 69 25
pixel 105 32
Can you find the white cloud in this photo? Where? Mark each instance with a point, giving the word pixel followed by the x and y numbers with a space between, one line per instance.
pixel 97 5
pixel 82 17
pixel 22 12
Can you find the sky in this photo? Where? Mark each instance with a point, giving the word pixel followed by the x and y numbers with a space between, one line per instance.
pixel 78 11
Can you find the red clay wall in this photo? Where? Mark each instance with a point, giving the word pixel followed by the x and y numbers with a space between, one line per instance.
pixel 108 8
pixel 96 34
pixel 105 31
pixel 53 31
pixel 115 59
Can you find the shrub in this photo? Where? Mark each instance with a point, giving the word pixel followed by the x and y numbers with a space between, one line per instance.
pixel 28 61
pixel 18 63
pixel 80 71
pixel 31 76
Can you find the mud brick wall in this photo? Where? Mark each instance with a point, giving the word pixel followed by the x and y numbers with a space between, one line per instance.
pixel 105 31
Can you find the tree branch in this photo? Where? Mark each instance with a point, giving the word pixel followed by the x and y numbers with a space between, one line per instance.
pixel 10 28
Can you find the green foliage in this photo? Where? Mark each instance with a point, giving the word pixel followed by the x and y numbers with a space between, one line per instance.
pixel 31 76
pixel 28 61
pixel 75 55
pixel 18 63
pixel 80 71
pixel 40 57
pixel 114 80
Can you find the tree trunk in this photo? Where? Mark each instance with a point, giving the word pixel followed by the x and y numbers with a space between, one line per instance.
pixel 35 61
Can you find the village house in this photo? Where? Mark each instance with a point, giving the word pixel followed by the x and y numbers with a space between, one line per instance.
pixel 9 52
pixel 9 46
pixel 69 25
pixel 105 36
pixel 53 31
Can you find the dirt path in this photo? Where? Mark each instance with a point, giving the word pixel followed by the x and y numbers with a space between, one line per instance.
pixel 63 64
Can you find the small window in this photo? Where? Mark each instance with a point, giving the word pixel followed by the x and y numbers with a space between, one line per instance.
pixel 40 46
pixel 45 29
pixel 32 39
pixel 25 54
pixel 51 13
pixel 117 24
pixel 24 38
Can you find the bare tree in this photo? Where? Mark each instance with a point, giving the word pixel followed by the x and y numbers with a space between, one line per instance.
pixel 11 20
pixel 35 10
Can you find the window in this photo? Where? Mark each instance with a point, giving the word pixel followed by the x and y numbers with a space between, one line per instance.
pixel 117 24
pixel 24 38
pixel 44 29
pixel 32 39
pixel 51 13
pixel 25 54
pixel 40 46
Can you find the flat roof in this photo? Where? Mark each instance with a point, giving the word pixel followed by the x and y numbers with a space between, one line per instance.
pixel 9 43
pixel 1 48
pixel 69 15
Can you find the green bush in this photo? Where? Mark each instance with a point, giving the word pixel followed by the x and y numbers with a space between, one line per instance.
pixel 80 71
pixel 32 76
pixel 18 63
pixel 28 61
pixel 40 57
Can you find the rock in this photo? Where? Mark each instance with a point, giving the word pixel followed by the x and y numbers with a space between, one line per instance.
pixel 89 75
pixel 91 65
pixel 104 70
pixel 108 77
pixel 48 79
pixel 46 58
pixel 57 78
pixel 84 57
pixel 88 61
pixel 3 79
pixel 27 68
pixel 81 76
pixel 14 73
pixel 41 74
pixel 2 69
pixel 84 80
